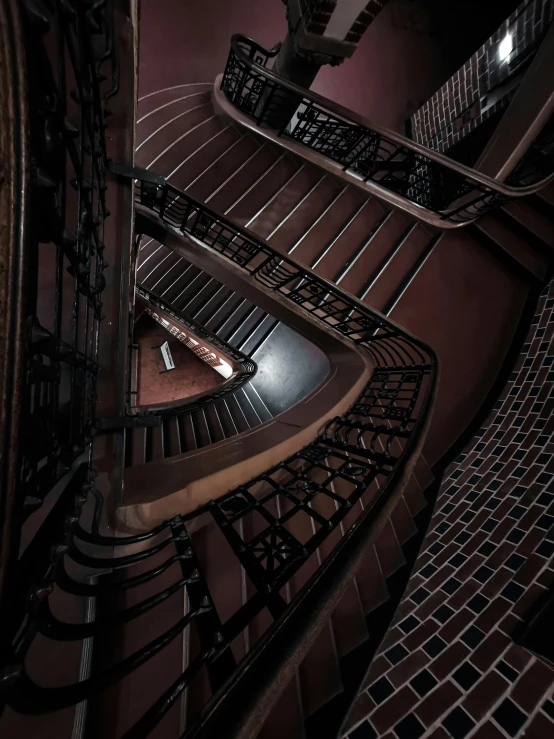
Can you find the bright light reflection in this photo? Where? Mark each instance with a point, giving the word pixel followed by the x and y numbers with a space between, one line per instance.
pixel 505 47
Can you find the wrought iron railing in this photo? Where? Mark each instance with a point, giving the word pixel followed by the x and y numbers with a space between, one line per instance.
pixel 295 532
pixel 435 186
pixel 65 53
pixel 246 368
pixel 68 93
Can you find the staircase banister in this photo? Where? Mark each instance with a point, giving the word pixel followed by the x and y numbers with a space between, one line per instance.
pixel 239 708
pixel 351 116
pixel 156 231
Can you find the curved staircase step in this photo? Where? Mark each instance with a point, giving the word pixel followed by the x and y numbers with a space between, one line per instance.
pixel 391 272
pixel 380 244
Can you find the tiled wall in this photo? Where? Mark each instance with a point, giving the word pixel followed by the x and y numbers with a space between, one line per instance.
pixel 448 666
pixel 468 98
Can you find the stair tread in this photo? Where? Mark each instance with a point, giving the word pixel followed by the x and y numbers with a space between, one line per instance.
pixel 203 297
pixel 534 221
pixel 201 429
pixel 213 146
pixel 178 170
pixel 162 280
pixel 153 263
pixel 185 273
pixel 188 436
pixel 162 157
pixel 403 522
pixel 247 408
pixel 277 175
pixel 222 312
pixel 391 557
pixel 237 332
pixel 214 424
pixel 172 438
pixel 347 245
pixel 285 719
pixel 379 247
pixel 246 175
pixel 148 103
pixel 232 318
pixel 257 402
pixel 371 582
pixel 148 248
pixel 305 215
pixel 394 271
pixel 203 313
pixel 269 219
pixel 237 414
pixel 151 121
pixel 185 290
pixel 263 329
pixel 319 673
pixel 226 420
pixel 222 168
pixel 348 622
pixel 154 443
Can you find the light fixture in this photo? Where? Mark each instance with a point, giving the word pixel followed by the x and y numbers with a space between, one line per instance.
pixel 505 47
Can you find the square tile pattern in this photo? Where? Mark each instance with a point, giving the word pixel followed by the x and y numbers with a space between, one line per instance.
pixel 475 581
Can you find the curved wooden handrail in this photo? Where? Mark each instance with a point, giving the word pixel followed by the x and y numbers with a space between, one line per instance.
pixel 156 491
pixel 351 115
pixel 249 93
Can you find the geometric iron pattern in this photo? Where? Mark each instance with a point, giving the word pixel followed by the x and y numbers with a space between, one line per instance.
pixel 368 154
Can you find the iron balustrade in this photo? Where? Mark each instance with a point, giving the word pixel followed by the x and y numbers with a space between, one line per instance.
pixel 429 181
pixel 72 73
pixel 247 368
pixel 66 55
pixel 294 531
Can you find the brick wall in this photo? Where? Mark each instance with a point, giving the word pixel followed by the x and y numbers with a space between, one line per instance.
pixel 448 666
pixel 317 13
pixel 469 96
pixel 364 19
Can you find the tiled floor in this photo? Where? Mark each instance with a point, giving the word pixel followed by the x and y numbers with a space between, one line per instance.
pixel 190 376
pixel 448 666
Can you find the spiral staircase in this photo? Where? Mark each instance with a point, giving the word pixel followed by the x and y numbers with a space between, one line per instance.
pixel 165 627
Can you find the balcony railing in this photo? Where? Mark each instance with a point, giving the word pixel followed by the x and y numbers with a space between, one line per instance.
pixel 427 184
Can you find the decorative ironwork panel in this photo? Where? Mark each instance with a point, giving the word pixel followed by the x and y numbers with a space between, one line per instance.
pixel 284 532
pixel 374 157
pixel 68 94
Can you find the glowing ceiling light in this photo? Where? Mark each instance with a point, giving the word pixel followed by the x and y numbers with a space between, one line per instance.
pixel 505 47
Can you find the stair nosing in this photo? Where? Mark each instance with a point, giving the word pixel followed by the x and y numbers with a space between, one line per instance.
pixel 372 235
pixel 318 219
pixel 385 262
pixel 300 202
pixel 341 232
